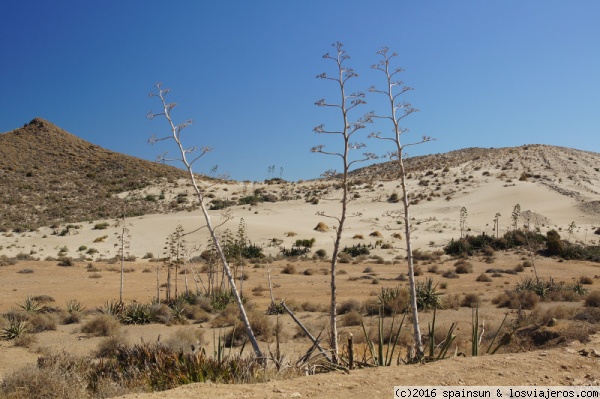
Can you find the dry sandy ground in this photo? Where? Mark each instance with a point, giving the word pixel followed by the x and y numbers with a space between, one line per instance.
pixel 548 367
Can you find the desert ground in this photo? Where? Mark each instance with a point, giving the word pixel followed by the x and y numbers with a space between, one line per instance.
pixel 563 197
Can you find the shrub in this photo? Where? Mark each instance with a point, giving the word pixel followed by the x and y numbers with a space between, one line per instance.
pixel 42 322
pixel 356 250
pixel 488 250
pixel 517 300
pixel 289 269
pixel 322 227
pixel 390 301
pixel 101 226
pixel 470 301
pixel 306 243
pixel 519 268
pixel 185 340
pixel 463 267
pixel 218 204
pixel 483 278
pixel 25 271
pixel 433 269
pixel 450 274
pixel 352 318
pixel 586 280
pixel 294 251
pixel 554 245
pixel 101 326
pixel 321 253
pixel 68 262
pixel 593 299
pixel 55 376
pixel 109 346
pixel 458 248
pixel 349 306
pixel 424 255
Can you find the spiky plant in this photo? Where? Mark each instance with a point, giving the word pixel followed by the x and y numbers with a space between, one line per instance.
pixel 427 295
pixel 136 313
pixel 14 328
pixel 74 306
pixel 30 305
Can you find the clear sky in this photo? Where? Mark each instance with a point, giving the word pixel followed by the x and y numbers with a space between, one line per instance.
pixel 485 73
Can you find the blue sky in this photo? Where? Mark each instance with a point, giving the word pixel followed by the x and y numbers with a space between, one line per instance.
pixel 485 73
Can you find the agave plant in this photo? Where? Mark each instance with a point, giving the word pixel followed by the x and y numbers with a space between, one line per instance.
pixel 74 306
pixel 113 308
pixel 136 313
pixel 427 295
pixel 30 305
pixel 178 313
pixel 14 328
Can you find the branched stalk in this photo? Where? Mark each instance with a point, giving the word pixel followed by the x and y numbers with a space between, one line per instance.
pixel 399 111
pixel 176 136
pixel 347 103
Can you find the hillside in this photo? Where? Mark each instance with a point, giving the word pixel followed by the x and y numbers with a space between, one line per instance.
pixel 50 176
pixel 570 172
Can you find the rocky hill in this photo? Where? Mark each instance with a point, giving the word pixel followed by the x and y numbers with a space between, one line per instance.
pixel 50 176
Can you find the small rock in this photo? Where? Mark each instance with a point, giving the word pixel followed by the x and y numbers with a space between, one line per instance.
pixel 296 395
pixel 589 353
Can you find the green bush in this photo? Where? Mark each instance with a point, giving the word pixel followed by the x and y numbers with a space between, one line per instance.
pixel 459 247
pixel 356 250
pixel 306 243
pixel 218 204
pixel 294 251
pixel 321 253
